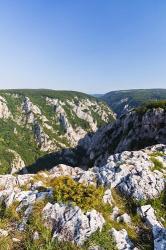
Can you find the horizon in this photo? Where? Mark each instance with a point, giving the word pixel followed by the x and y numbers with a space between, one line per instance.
pixel 82 45
pixel 72 90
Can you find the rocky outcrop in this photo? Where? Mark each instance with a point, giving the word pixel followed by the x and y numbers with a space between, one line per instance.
pixel 131 172
pixel 133 131
pixel 82 109
pixel 74 135
pixel 61 114
pixel 25 198
pixel 9 181
pixel 42 139
pixel 30 110
pixel 33 115
pixel 17 163
pixel 64 170
pixel 4 110
pixel 70 223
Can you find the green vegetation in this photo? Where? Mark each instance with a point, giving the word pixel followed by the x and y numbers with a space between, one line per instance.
pixel 159 205
pixel 59 94
pixel 22 142
pixel 68 190
pixel 157 164
pixel 103 239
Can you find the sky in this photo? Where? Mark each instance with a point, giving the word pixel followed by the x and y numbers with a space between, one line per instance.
pixel 93 46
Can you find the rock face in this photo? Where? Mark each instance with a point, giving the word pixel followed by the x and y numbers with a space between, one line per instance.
pixel 30 110
pixel 81 109
pixel 42 139
pixel 70 223
pixel 4 110
pixel 133 131
pixel 74 135
pixel 17 163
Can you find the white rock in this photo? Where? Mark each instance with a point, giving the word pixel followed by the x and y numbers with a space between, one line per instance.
pixel 107 198
pixel 16 240
pixel 115 213
pixel 4 111
pixel 131 173
pixel 70 223
pixel 3 233
pixel 147 212
pixel 17 162
pixel 122 240
pixel 36 236
pixel 124 218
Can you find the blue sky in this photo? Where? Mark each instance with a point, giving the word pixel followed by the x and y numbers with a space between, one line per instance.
pixel 92 46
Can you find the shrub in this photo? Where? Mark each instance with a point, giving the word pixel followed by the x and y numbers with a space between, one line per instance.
pixel 150 105
pixel 69 191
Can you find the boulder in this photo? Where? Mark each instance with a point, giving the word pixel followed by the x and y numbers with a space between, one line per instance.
pixel 148 214
pixel 3 233
pixel 122 240
pixel 71 223
pixel 124 218
pixel 115 213
pixel 107 198
pixel 36 236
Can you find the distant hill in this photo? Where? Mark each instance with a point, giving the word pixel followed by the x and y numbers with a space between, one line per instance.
pixel 97 95
pixel 35 122
pixel 123 100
